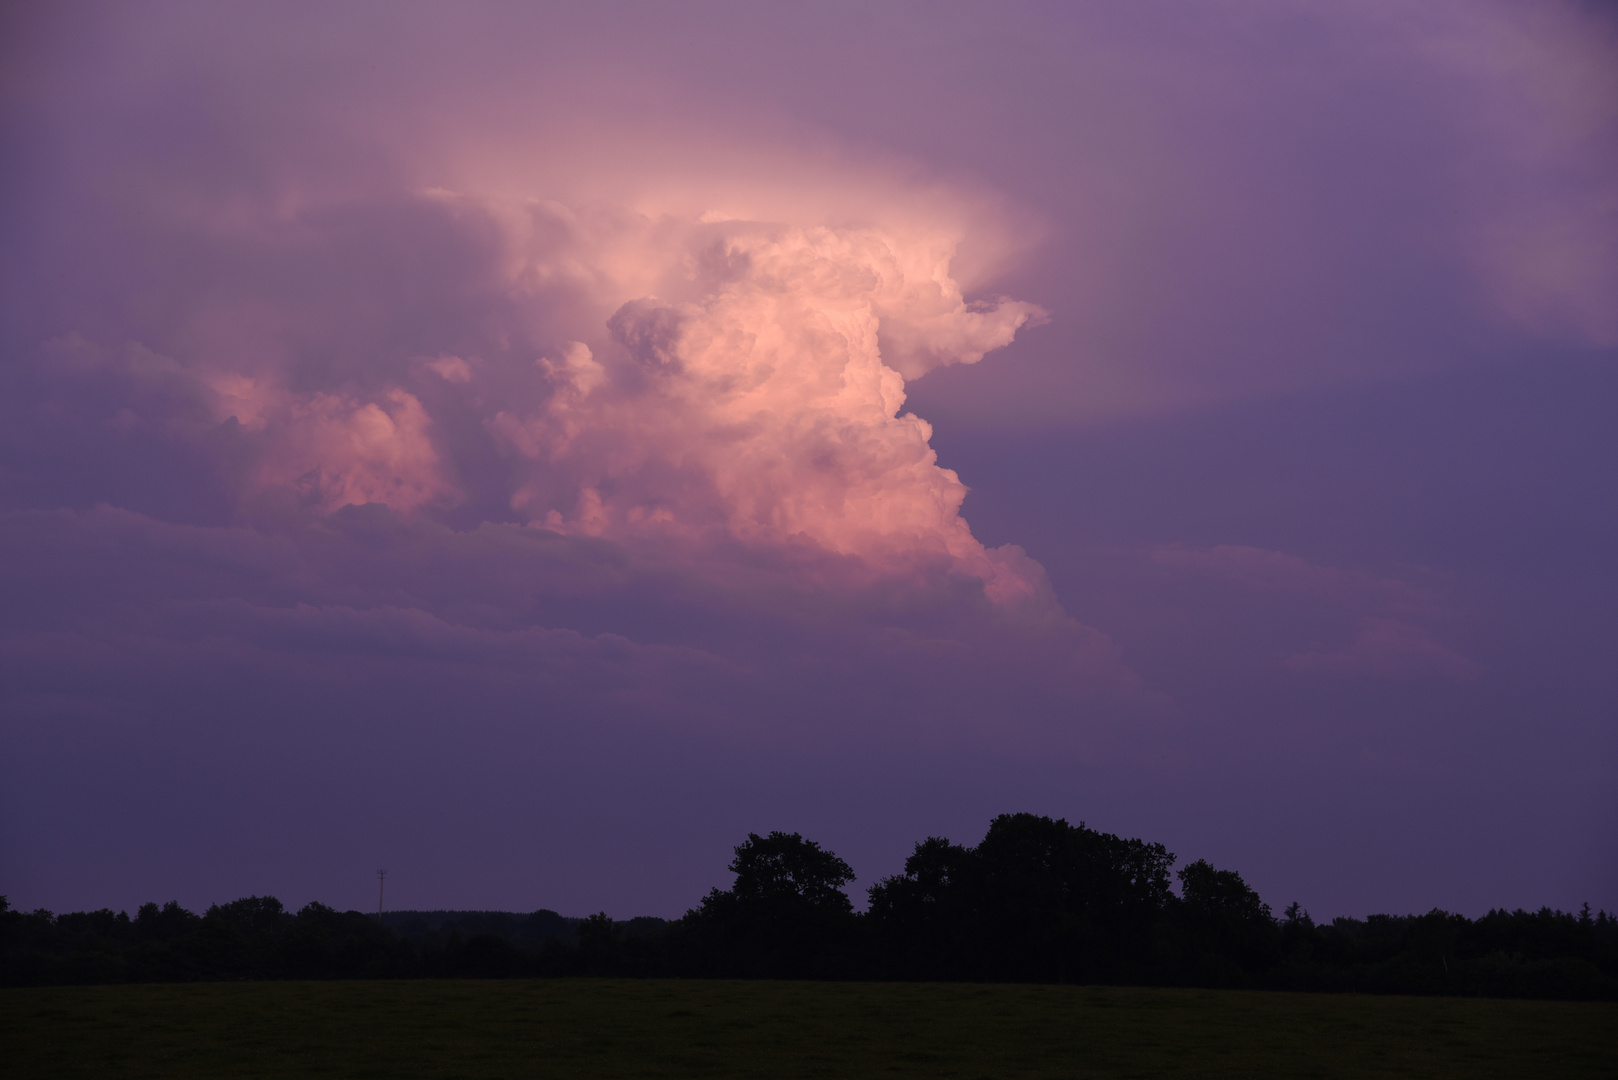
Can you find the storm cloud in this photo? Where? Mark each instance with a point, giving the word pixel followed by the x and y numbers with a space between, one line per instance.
pixel 507 438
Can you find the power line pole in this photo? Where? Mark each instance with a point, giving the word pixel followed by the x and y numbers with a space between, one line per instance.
pixel 381 883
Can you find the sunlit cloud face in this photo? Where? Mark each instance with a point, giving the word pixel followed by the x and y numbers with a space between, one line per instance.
pixel 759 398
pixel 767 404
pixel 699 378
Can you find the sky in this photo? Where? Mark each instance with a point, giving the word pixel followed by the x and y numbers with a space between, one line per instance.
pixel 529 447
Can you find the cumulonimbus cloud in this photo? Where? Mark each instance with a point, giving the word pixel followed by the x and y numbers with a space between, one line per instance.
pixel 756 398
pixel 767 404
pixel 694 377
pixel 718 400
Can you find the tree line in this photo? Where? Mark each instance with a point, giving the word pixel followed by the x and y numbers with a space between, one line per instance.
pixel 1038 900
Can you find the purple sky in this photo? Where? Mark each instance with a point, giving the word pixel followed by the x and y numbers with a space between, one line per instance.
pixel 497 444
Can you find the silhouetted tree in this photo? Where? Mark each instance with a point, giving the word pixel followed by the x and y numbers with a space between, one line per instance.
pixel 601 945
pixel 1226 931
pixel 923 919
pixel 786 915
pixel 1037 899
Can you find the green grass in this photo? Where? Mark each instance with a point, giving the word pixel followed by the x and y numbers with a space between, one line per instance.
pixel 617 1028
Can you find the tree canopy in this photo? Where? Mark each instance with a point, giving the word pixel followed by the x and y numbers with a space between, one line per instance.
pixel 1037 899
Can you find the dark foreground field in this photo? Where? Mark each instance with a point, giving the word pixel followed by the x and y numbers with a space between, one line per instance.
pixel 611 1028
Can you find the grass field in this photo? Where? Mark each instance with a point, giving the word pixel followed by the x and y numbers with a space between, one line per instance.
pixel 614 1028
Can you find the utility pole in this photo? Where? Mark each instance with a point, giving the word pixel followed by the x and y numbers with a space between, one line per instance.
pixel 381 883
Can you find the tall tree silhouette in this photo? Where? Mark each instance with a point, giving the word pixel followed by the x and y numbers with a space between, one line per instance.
pixel 1037 899
pixel 786 915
